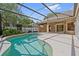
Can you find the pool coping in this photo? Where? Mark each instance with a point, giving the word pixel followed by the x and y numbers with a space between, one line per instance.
pixel 6 37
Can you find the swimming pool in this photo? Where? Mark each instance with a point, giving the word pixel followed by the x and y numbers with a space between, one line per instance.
pixel 27 45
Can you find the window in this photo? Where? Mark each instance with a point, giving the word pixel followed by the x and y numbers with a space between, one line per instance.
pixel 70 26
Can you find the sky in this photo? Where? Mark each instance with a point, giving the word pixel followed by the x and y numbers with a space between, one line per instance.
pixel 56 7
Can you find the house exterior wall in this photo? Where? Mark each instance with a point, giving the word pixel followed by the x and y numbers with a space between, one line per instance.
pixel 77 27
pixel 52 26
pixel 76 13
pixel 42 27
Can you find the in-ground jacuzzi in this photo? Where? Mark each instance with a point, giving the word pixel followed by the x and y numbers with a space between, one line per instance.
pixel 27 45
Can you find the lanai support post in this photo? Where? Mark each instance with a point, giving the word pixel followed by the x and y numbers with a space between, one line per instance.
pixel 47 27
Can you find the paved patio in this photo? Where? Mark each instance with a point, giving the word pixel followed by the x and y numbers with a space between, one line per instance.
pixel 62 44
pixel 4 45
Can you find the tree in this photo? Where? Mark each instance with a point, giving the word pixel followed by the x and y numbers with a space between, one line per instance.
pixel 9 19
pixel 0 25
pixel 25 21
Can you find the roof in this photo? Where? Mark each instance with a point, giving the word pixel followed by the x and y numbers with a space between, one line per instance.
pixel 61 17
pixel 69 12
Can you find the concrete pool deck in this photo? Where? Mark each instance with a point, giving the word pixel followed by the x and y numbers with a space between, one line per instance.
pixel 62 44
pixel 4 45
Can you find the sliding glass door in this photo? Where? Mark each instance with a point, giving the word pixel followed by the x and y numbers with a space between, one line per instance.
pixel 60 28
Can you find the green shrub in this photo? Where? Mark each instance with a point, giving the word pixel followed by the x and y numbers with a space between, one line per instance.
pixel 7 32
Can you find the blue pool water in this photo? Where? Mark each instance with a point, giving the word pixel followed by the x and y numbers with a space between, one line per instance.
pixel 27 45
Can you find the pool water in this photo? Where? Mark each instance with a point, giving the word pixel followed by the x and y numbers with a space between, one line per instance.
pixel 27 45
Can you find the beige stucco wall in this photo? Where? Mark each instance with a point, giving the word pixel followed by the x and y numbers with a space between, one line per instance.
pixel 76 9
pixel 42 27
pixel 53 26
